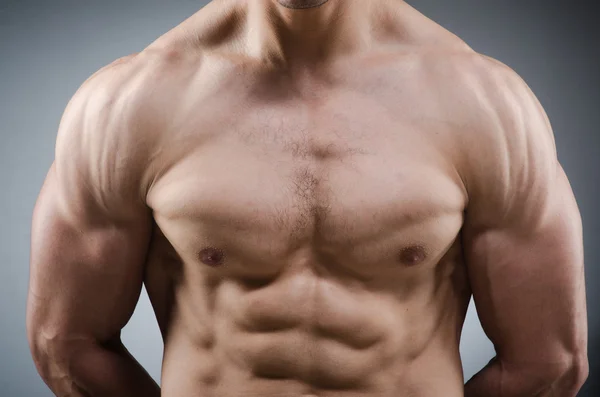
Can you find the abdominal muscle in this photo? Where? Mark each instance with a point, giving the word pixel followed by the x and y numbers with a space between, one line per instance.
pixel 308 334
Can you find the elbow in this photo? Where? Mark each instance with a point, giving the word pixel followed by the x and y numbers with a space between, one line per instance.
pixel 42 343
pixel 544 379
pixel 49 354
pixel 38 347
pixel 573 376
pixel 54 356
pixel 568 380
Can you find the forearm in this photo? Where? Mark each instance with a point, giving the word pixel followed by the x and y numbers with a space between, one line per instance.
pixel 501 380
pixel 89 369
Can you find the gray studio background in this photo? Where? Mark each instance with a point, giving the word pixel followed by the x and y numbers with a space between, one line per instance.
pixel 49 47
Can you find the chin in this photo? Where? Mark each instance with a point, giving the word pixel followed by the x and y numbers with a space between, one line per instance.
pixel 299 4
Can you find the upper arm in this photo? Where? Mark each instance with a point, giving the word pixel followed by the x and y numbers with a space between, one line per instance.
pixel 90 227
pixel 523 235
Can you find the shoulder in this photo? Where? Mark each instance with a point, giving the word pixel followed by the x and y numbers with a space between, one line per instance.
pixel 471 73
pixel 483 94
pixel 130 80
pixel 100 97
pixel 125 101
pixel 489 101
pixel 105 134
pixel 506 143
pixel 505 113
pixel 470 85
pixel 101 113
pixel 491 92
pixel 499 135
pixel 116 120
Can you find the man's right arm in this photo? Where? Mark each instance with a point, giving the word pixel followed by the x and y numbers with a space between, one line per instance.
pixel 90 235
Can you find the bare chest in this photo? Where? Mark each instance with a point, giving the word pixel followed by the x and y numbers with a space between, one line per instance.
pixel 344 183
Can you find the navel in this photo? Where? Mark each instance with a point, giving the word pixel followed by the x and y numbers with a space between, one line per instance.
pixel 412 255
pixel 212 256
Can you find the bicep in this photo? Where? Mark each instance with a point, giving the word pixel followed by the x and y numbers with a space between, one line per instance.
pixel 90 227
pixel 527 283
pixel 85 276
pixel 522 235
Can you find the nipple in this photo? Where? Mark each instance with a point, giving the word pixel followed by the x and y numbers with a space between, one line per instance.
pixel 212 256
pixel 412 255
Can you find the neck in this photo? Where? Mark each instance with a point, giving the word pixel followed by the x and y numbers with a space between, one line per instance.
pixel 308 34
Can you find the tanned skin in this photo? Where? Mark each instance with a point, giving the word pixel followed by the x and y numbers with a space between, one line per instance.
pixel 310 192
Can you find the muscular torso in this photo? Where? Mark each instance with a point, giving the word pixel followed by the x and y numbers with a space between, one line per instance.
pixel 307 228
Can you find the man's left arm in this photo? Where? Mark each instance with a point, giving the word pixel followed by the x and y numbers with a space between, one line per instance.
pixel 523 246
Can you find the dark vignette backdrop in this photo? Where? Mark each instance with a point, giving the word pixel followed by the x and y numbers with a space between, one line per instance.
pixel 49 47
